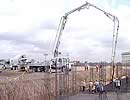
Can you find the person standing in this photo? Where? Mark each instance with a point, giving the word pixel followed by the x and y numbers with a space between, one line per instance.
pixel 90 86
pixel 118 83
pixel 100 87
pixel 127 80
pixel 83 85
pixel 96 86
pixel 97 66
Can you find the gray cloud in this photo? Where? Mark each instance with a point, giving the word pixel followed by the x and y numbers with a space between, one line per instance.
pixel 81 30
pixel 22 39
pixel 123 44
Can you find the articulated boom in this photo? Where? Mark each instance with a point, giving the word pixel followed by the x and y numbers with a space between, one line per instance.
pixel 86 6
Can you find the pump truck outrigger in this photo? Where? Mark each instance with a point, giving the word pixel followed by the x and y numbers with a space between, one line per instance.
pixel 62 24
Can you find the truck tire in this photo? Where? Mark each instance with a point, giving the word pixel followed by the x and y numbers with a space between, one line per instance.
pixel 34 69
pixel 41 69
pixel 44 69
pixel 62 69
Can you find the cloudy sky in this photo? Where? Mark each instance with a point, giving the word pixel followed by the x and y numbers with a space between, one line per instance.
pixel 29 27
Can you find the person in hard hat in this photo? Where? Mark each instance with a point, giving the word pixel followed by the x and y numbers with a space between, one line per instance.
pixel 90 86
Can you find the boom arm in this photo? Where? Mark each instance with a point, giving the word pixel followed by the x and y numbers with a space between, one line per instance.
pixel 58 36
pixel 87 5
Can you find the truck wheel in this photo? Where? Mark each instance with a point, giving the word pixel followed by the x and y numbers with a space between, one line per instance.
pixel 62 69
pixel 44 69
pixel 34 69
pixel 40 69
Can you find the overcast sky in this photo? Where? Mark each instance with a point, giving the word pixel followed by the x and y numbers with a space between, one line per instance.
pixel 29 27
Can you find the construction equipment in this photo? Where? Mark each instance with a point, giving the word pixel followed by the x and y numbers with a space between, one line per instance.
pixel 86 6
pixel 23 63
pixel 18 62
pixel 62 64
pixel 62 24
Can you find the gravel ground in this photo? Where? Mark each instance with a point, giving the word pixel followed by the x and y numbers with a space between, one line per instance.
pixel 110 96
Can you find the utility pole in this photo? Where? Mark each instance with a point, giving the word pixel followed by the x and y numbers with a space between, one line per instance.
pixel 45 57
pixel 47 81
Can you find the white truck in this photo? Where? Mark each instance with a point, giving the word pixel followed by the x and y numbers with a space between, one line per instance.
pixel 39 66
pixel 21 62
pixel 61 64
pixel 18 62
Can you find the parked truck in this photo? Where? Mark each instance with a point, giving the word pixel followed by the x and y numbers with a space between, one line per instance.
pixel 23 63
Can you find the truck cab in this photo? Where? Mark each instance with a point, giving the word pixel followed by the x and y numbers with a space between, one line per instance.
pixel 60 64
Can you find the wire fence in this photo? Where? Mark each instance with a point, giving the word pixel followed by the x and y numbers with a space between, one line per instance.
pixel 22 88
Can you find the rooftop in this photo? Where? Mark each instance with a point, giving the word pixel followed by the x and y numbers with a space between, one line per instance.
pixel 126 53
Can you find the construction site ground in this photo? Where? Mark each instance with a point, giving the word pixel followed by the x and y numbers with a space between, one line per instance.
pixel 110 96
pixel 111 93
pixel 34 86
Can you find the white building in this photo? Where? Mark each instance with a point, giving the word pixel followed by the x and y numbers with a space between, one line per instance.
pixel 126 58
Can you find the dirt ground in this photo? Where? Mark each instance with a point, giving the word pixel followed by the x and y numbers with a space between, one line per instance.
pixel 109 96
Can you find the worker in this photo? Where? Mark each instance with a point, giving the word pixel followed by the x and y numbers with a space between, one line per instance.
pixel 100 66
pixel 118 83
pixel 86 66
pixel 114 82
pixel 90 86
pixel 83 85
pixel 127 79
pixel 97 68
pixel 100 87
pixel 96 85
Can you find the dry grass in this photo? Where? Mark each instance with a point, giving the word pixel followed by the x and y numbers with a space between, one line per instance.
pixel 41 86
